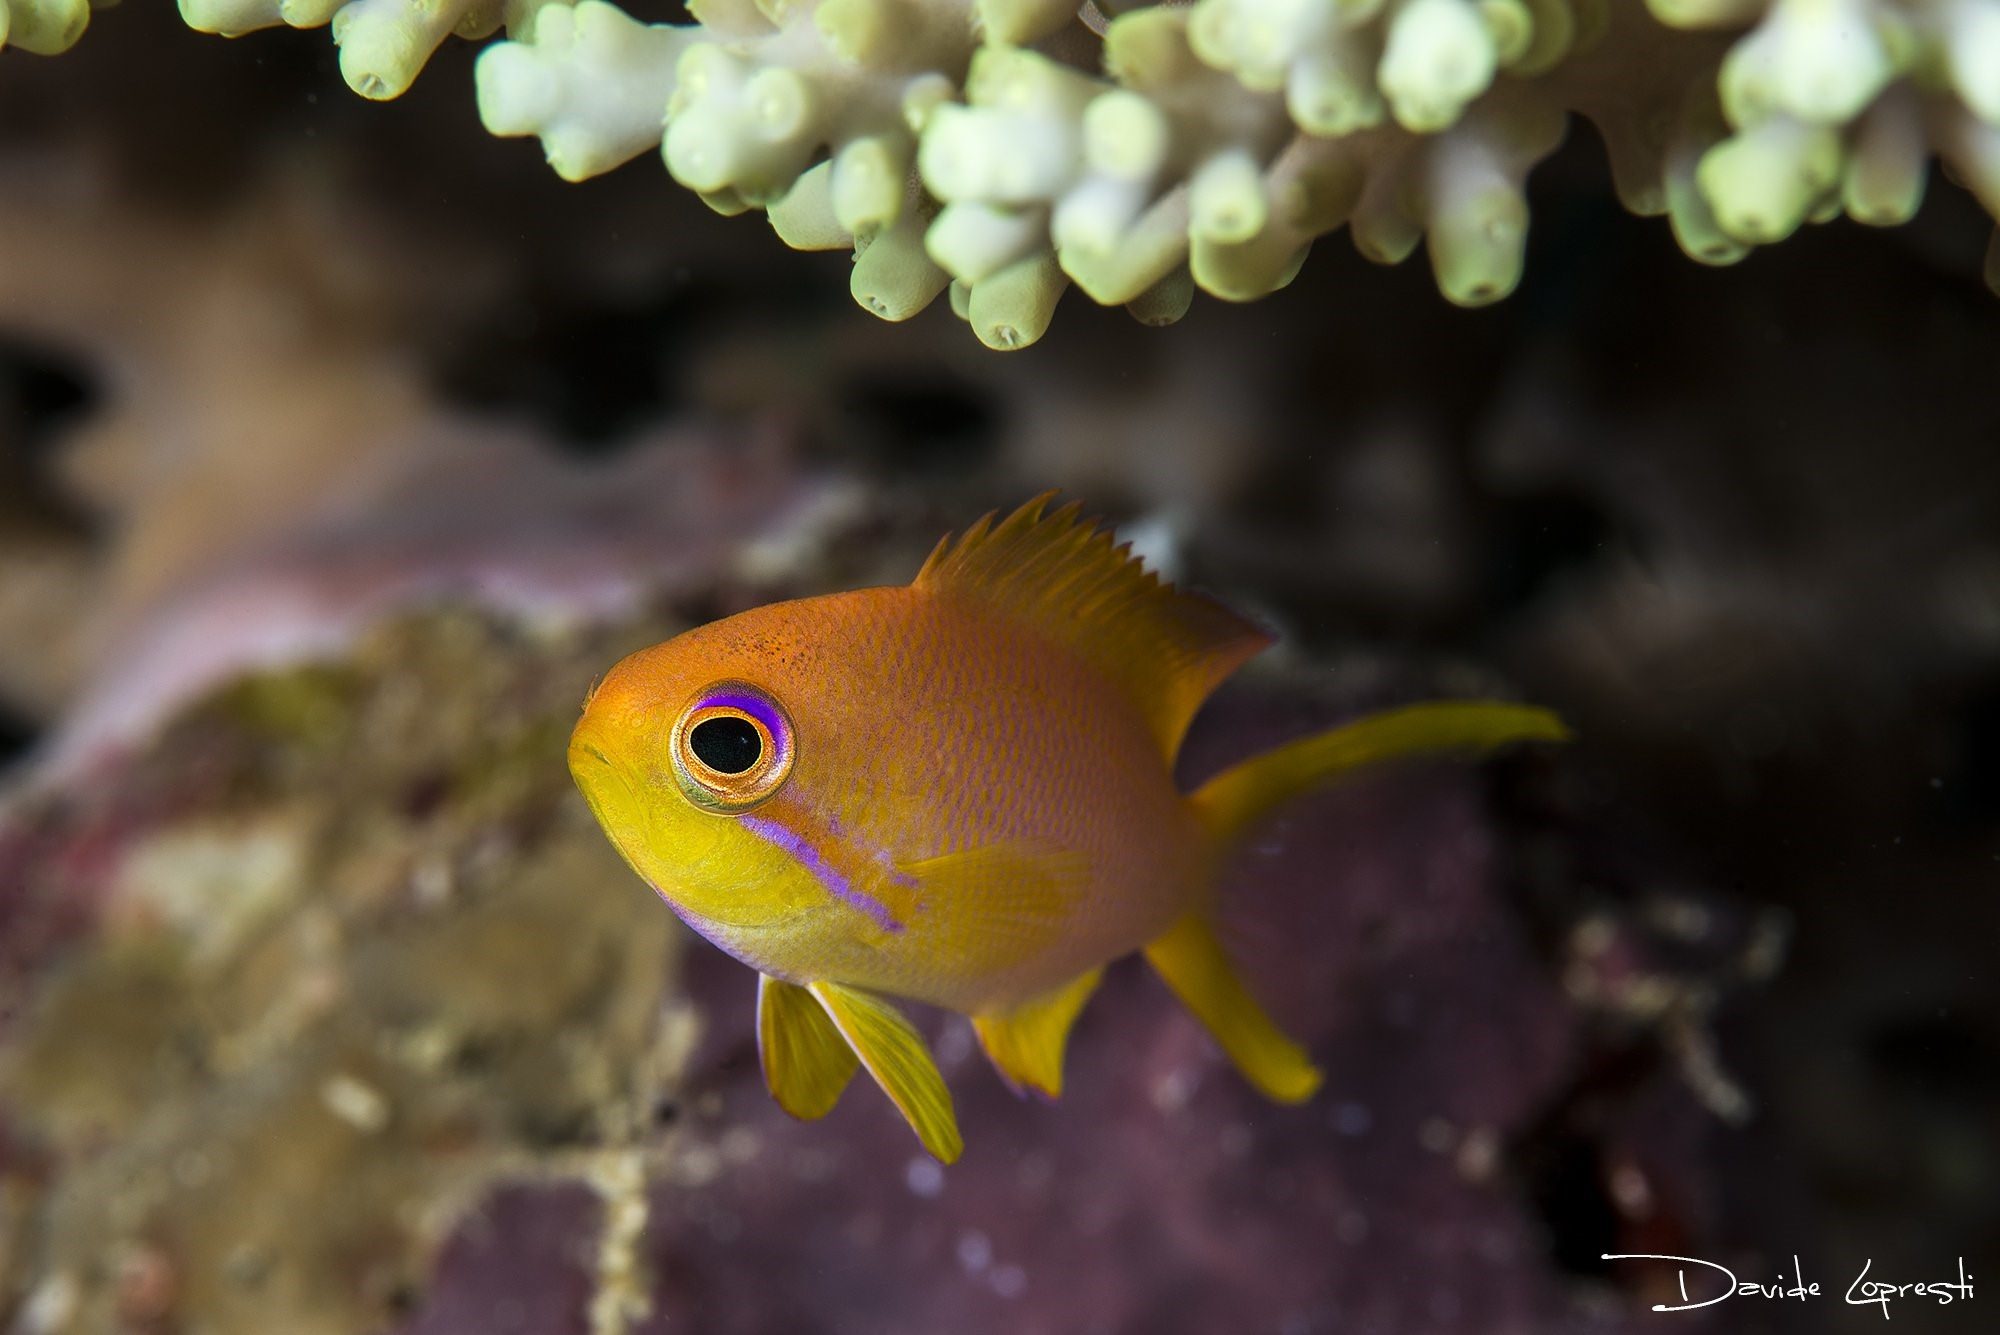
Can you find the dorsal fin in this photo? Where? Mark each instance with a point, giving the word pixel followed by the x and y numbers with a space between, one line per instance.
pixel 1062 575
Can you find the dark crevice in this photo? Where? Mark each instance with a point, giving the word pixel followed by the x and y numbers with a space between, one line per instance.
pixel 1566 864
pixel 925 421
pixel 590 378
pixel 595 377
pixel 1538 538
pixel 17 735
pixel 1562 1161
pixel 44 391
pixel 1565 1176
pixel 43 394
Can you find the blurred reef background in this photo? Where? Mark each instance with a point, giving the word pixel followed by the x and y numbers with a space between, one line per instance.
pixel 342 445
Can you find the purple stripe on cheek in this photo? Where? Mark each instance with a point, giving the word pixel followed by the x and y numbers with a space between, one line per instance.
pixel 808 857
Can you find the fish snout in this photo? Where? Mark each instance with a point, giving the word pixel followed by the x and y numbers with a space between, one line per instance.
pixel 582 753
pixel 605 783
pixel 586 751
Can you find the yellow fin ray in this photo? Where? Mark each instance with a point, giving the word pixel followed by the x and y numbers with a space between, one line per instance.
pixel 894 1053
pixel 1234 800
pixel 807 1064
pixel 1193 964
pixel 1025 1043
pixel 1001 901
pixel 1165 648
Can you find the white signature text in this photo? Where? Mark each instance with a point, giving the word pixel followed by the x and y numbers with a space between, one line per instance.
pixel 1720 1284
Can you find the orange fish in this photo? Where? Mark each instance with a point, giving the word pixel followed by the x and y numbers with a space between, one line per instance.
pixel 961 792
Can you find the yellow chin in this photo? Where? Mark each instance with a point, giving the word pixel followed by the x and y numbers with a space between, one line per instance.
pixel 604 788
pixel 718 884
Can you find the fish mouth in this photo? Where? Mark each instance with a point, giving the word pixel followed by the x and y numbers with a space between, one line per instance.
pixel 590 778
pixel 579 747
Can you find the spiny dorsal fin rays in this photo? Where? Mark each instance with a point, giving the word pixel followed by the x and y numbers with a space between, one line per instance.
pixel 807 1064
pixel 1060 574
pixel 895 1055
pixel 1026 1043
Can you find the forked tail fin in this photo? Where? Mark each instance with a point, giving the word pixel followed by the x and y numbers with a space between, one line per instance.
pixel 1232 803
pixel 1194 965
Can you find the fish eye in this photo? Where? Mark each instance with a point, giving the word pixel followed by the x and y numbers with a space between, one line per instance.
pixel 732 747
pixel 725 743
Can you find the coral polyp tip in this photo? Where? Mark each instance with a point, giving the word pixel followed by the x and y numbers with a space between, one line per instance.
pixel 45 27
pixel 1009 149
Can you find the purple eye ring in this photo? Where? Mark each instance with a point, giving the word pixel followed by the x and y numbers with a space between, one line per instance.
pixel 732 747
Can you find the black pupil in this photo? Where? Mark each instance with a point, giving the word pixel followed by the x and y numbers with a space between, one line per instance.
pixel 726 745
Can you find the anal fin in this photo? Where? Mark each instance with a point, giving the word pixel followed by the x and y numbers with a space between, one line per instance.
pixel 1193 964
pixel 806 1062
pixel 1025 1043
pixel 894 1053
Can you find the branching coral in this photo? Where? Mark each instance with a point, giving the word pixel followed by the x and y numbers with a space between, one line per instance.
pixel 383 43
pixel 1005 149
pixel 43 26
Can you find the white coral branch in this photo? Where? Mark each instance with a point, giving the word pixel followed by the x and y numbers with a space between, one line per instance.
pixel 977 145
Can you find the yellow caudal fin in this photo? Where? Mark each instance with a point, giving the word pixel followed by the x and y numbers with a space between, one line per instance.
pixel 894 1053
pixel 806 1062
pixel 1062 577
pixel 1025 1043
pixel 1230 805
pixel 1192 962
pixel 1236 799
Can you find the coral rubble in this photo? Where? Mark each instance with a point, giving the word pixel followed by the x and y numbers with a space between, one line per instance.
pixel 1003 150
pixel 295 1045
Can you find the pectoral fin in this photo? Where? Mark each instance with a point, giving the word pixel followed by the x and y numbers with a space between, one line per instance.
pixel 806 1062
pixel 894 1053
pixel 1194 966
pixel 1026 1043
pixel 996 902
